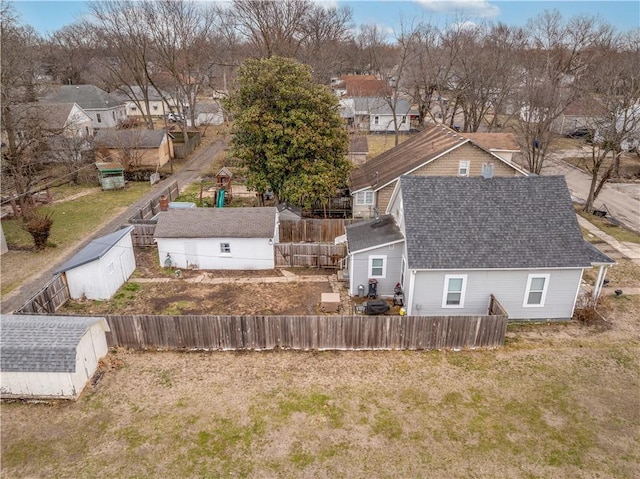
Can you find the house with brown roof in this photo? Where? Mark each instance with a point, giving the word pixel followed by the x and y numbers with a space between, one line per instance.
pixel 436 151
pixel 134 148
pixel 218 238
pixel 361 86
pixel 358 149
pixel 505 145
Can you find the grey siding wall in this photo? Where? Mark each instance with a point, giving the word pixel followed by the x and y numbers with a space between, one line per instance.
pixel 507 286
pixel 359 264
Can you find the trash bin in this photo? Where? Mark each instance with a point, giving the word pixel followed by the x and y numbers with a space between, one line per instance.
pixel 361 290
pixel 373 288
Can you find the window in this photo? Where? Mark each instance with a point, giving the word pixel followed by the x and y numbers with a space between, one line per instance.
pixel 536 291
pixel 133 107
pixel 225 248
pixel 376 120
pixel 377 266
pixel 98 117
pixel 454 289
pixel 155 107
pixel 404 120
pixel 463 168
pixel 364 198
pixel 110 268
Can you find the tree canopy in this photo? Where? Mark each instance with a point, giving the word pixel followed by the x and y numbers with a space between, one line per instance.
pixel 288 133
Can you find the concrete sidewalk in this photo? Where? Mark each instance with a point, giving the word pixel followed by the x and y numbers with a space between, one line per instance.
pixel 628 250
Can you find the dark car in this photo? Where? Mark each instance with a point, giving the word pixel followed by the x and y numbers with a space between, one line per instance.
pixel 586 133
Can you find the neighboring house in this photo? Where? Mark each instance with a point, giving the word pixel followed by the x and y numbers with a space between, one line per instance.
pixel 360 86
pixel 66 120
pixel 49 357
pixel 358 149
pixel 289 212
pixel 134 148
pixel 374 114
pixel 105 110
pixel 580 114
pixel 133 96
pixel 208 114
pixel 453 242
pixel 101 267
pixel 218 238
pixel 504 145
pixel 436 151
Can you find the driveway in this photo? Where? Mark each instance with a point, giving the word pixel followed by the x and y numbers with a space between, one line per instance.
pixel 621 199
pixel 187 175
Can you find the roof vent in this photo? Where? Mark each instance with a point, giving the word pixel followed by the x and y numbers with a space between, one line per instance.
pixel 487 170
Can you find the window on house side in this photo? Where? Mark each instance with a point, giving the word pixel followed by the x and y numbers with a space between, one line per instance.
pixel 536 291
pixel 454 291
pixel 364 198
pixel 225 248
pixel 377 266
pixel 463 168
pixel 98 117
pixel 376 119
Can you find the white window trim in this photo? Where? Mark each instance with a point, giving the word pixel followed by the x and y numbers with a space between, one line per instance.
pixel 467 167
pixel 384 266
pixel 445 291
pixel 528 290
pixel 222 247
pixel 361 198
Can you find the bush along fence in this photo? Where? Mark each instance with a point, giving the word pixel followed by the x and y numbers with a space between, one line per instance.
pixel 306 332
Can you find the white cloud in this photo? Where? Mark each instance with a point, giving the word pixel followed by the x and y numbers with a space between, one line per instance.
pixel 476 8
pixel 326 3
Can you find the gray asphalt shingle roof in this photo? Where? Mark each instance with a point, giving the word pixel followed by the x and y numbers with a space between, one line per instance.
pixel 372 233
pixel 42 343
pixel 130 138
pixel 95 249
pixel 477 223
pixel 217 223
pixel 88 97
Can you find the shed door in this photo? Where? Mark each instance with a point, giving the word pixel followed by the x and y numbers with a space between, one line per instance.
pixel 191 254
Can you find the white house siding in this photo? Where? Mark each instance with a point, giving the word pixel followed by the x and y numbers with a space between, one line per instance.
pixel 385 123
pixel 363 211
pixel 204 253
pixel 359 268
pixel 109 117
pixel 63 385
pixel 507 286
pixel 79 124
pixel 101 278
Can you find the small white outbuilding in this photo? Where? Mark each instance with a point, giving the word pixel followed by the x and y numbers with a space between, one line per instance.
pixel 49 357
pixel 101 267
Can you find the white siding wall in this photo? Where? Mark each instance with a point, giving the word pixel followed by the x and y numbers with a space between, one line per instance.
pixel 204 253
pixel 359 269
pixel 507 286
pixel 385 123
pixel 101 278
pixel 91 348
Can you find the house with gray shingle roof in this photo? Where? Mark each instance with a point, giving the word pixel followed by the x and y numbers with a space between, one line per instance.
pixel 437 150
pixel 49 356
pixel 139 101
pixel 105 110
pixel 218 238
pixel 134 147
pixel 454 242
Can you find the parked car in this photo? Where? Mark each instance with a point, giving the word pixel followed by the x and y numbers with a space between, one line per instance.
pixel 175 117
pixel 586 133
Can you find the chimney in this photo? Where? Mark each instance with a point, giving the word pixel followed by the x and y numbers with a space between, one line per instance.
pixel 164 203
pixel 487 170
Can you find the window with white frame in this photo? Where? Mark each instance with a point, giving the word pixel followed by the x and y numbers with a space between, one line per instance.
pixel 225 248
pixel 404 120
pixel 454 291
pixel 536 292
pixel 364 198
pixel 377 266
pixel 463 168
pixel 376 120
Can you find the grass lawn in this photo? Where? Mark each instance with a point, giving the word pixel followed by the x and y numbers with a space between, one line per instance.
pixel 378 144
pixel 618 232
pixel 73 221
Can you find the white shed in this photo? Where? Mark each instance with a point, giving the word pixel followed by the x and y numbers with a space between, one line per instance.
pixel 218 238
pixel 101 267
pixel 49 356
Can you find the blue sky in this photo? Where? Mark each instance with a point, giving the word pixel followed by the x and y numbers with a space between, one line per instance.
pixel 46 16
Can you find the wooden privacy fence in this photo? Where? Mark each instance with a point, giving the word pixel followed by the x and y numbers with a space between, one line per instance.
pixel 305 332
pixel 53 295
pixel 313 255
pixel 312 230
pixel 143 226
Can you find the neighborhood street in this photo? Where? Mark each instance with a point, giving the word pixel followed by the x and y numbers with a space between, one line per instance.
pixel 621 199
pixel 187 175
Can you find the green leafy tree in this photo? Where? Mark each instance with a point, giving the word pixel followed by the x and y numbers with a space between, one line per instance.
pixel 288 133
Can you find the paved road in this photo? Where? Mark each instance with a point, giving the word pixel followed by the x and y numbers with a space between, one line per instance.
pixel 187 175
pixel 621 199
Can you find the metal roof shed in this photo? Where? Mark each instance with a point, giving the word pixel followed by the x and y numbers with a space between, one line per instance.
pixel 110 175
pixel 49 356
pixel 101 267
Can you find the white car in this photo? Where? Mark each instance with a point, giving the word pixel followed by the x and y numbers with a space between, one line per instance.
pixel 175 117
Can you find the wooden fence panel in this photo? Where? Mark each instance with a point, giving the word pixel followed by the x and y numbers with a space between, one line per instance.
pixel 306 332
pixel 53 295
pixel 313 255
pixel 309 230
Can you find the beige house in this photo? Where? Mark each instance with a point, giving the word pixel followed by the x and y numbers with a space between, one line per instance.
pixel 436 151
pixel 134 148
